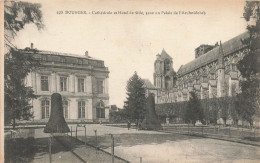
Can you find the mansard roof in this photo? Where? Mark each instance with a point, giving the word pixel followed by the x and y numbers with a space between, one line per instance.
pixel 229 47
pixel 45 52
pixel 70 60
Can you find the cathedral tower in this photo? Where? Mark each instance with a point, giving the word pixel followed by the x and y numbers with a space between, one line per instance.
pixel 163 71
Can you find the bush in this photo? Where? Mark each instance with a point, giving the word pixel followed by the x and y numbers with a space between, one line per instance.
pixel 213 108
pixel 118 116
pixel 19 150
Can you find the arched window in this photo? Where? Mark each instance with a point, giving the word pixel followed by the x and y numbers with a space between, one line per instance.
pixel 167 82
pixel 100 110
pixel 45 109
pixel 167 65
pixel 66 109
pixel 158 66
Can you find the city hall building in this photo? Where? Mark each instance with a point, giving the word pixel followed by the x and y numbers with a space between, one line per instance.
pixel 81 80
pixel 213 72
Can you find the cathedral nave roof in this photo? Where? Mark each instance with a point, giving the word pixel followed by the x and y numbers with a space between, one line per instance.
pixel 229 46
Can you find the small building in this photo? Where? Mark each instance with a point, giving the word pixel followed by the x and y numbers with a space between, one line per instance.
pixel 81 80
pixel 149 88
pixel 114 108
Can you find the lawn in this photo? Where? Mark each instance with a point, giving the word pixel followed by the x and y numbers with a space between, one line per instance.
pixel 153 146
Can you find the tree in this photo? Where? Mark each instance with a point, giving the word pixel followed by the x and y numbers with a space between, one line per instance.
pixel 248 100
pixel 194 110
pixel 17 94
pixel 245 109
pixel 136 100
pixel 16 16
pixel 119 116
pixel 223 104
pixel 206 109
pixel 17 65
pixel 213 110
pixel 233 110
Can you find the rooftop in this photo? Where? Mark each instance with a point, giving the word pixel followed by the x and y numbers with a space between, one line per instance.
pixel 44 52
pixel 164 55
pixel 229 46
pixel 148 84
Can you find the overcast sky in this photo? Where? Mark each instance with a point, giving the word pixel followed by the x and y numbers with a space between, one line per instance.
pixel 129 43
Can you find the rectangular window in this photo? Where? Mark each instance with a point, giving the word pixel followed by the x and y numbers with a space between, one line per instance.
pixel 100 87
pixel 44 83
pixel 45 109
pixel 63 83
pixel 81 85
pixel 81 109
pixel 66 109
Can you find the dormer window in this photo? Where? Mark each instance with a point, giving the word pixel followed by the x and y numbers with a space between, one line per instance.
pixel 63 60
pixel 44 58
pixel 80 61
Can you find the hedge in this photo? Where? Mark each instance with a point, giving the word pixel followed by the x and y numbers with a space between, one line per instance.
pixel 213 109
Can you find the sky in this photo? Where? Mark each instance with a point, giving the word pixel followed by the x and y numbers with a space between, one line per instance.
pixel 130 42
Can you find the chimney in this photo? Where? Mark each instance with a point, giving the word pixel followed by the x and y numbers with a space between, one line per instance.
pixel 31 45
pixel 86 54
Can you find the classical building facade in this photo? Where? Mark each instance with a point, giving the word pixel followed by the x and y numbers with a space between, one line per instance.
pixel 80 79
pixel 213 72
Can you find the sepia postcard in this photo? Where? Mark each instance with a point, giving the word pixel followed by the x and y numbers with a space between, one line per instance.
pixel 130 81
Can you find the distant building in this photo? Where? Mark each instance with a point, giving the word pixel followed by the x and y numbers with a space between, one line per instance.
pixel 114 108
pixel 164 77
pixel 213 72
pixel 149 88
pixel 80 79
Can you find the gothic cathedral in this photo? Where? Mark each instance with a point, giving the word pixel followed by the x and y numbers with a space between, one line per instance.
pixel 213 72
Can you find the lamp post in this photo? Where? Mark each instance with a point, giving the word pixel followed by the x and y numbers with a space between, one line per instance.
pixel 96 139
pixel 112 148
pixel 50 149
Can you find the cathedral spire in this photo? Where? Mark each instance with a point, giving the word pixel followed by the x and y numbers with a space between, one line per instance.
pixel 221 57
pixel 221 73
